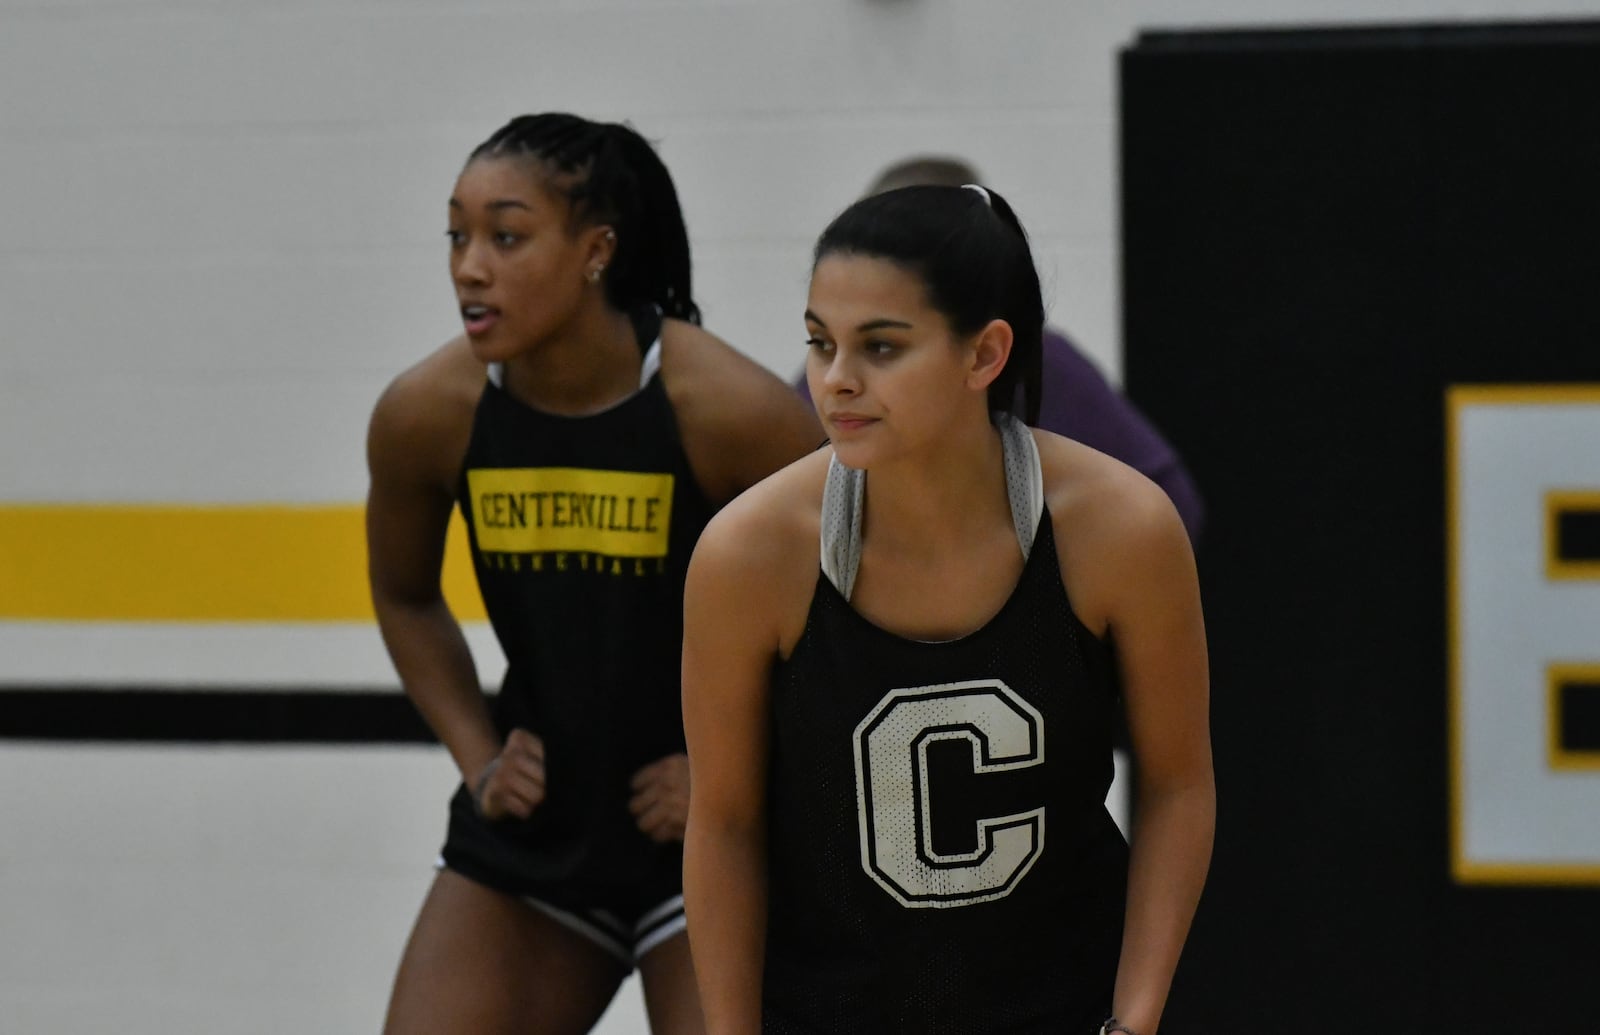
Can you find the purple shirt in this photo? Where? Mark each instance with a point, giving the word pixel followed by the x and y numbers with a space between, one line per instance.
pixel 1080 404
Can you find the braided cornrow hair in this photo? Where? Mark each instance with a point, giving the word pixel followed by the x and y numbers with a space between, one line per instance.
pixel 611 175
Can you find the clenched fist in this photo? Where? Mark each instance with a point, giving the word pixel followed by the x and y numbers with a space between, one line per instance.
pixel 512 784
pixel 660 802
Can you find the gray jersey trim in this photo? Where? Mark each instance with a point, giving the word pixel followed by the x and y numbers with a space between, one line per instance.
pixel 844 493
pixel 842 497
pixel 1024 479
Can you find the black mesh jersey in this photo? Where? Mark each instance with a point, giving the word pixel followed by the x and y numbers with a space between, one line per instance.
pixel 581 530
pixel 941 858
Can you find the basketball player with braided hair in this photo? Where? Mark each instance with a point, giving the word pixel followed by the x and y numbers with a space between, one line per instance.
pixel 903 662
pixel 587 428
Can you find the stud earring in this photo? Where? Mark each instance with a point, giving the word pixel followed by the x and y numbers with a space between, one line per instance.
pixel 594 274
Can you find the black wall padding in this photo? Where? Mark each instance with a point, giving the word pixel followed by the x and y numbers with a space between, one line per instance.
pixel 1322 230
pixel 198 714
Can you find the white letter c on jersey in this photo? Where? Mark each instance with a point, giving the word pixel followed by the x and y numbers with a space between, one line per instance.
pixel 892 792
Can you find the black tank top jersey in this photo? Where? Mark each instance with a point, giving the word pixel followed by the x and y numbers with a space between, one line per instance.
pixel 941 858
pixel 581 531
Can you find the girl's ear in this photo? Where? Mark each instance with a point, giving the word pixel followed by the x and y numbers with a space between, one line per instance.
pixel 989 350
pixel 599 247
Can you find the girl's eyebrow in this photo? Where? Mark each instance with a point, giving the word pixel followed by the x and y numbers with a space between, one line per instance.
pixel 870 325
pixel 496 205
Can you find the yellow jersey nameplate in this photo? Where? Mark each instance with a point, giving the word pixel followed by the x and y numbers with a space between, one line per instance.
pixel 571 510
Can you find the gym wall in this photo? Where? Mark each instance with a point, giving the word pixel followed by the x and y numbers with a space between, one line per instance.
pixel 220 236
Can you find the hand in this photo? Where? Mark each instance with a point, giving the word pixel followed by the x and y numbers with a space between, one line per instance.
pixel 660 802
pixel 512 784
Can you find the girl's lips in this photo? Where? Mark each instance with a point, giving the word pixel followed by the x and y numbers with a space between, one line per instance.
pixel 480 321
pixel 851 423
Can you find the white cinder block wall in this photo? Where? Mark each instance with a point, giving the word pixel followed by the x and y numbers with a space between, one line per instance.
pixel 221 233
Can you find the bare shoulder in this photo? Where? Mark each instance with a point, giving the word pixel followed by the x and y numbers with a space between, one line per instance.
pixel 1115 528
pixel 760 552
pixel 424 415
pixel 448 378
pixel 692 352
pixel 708 377
pixel 1091 489
pixel 740 421
pixel 773 521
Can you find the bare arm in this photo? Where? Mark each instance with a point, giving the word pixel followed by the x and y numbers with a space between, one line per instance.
pixel 730 644
pixel 409 500
pixel 1158 632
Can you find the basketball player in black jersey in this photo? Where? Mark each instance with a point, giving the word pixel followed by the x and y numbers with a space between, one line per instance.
pixel 901 747
pixel 587 428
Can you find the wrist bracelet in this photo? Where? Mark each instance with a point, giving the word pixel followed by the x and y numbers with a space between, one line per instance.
pixel 1113 1025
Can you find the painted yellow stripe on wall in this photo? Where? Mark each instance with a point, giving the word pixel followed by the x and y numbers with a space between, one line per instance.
pixel 157 563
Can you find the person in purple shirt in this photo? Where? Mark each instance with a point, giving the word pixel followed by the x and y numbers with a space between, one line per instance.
pixel 1078 401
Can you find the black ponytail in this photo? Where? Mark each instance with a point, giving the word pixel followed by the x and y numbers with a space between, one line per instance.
pixel 969 250
pixel 611 175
